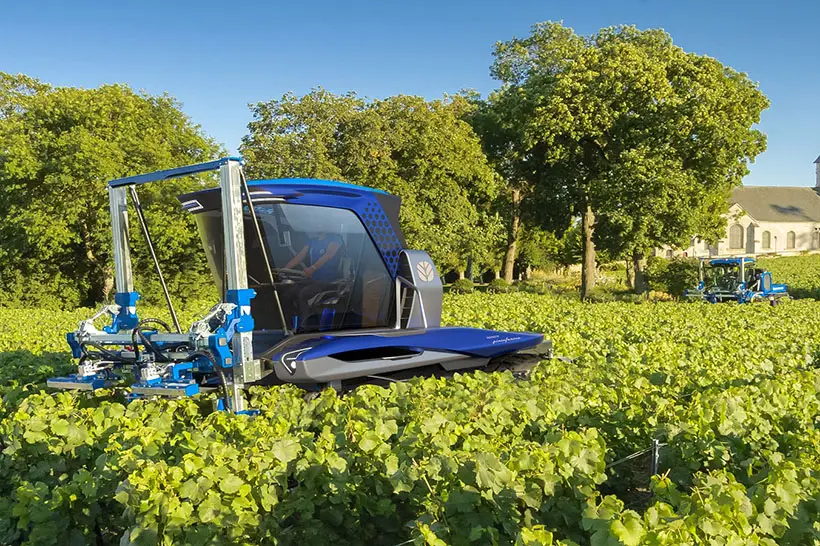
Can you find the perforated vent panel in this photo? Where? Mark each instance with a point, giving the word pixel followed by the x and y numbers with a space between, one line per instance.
pixel 383 234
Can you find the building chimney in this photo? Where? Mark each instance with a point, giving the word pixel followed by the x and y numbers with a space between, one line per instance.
pixel 817 172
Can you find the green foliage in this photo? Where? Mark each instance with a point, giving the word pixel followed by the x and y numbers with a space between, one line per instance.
pixel 656 272
pixel 462 286
pixel 420 150
pixel 474 459
pixel 498 286
pixel 612 266
pixel 671 276
pixel 58 147
pixel 599 295
pixel 569 249
pixel 539 249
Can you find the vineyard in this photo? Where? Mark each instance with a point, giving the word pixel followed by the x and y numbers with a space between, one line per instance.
pixel 729 392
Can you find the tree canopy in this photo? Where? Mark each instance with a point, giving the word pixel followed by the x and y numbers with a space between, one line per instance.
pixel 59 147
pixel 422 151
pixel 619 139
pixel 625 130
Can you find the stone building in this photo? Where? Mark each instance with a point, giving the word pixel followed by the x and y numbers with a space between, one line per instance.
pixel 765 220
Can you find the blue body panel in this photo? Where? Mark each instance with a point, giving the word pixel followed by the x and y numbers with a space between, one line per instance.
pixel 467 341
pixel 127 318
pixel 276 182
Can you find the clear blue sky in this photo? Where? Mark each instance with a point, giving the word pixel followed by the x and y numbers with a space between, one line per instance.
pixel 216 57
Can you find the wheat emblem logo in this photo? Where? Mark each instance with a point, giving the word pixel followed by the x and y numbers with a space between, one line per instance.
pixel 426 271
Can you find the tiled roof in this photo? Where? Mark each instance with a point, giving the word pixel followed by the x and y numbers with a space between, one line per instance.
pixel 779 203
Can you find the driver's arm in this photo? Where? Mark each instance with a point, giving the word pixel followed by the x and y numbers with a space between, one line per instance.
pixel 299 258
pixel 331 251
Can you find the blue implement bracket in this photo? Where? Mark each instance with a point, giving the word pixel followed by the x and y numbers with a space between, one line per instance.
pixel 76 349
pixel 240 320
pixel 166 388
pixel 171 173
pixel 127 318
pixel 221 349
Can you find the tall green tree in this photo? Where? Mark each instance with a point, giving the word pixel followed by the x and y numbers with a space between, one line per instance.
pixel 503 143
pixel 58 147
pixel 420 150
pixel 625 127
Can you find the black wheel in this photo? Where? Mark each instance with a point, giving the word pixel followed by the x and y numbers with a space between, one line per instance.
pixel 520 364
pixel 312 395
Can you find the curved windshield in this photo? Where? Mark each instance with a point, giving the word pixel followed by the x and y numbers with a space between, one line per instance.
pixel 327 270
pixel 723 277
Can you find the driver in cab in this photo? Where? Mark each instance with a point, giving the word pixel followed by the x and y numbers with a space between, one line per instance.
pixel 324 254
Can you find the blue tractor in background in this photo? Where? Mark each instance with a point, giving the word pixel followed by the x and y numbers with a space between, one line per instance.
pixel 318 288
pixel 735 279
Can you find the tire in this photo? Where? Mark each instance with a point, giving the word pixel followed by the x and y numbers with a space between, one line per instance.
pixel 312 395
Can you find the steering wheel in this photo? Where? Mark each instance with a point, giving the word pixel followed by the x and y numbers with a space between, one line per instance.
pixel 282 275
pixel 288 272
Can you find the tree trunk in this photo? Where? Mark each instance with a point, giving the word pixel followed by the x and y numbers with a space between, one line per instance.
pixel 461 274
pixel 497 273
pixel 639 284
pixel 630 278
pixel 588 263
pixel 100 287
pixel 512 239
pixel 108 283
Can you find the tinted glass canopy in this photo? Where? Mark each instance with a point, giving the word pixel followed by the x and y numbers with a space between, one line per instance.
pixel 327 270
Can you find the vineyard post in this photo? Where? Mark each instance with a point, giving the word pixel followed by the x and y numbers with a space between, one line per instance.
pixel 656 451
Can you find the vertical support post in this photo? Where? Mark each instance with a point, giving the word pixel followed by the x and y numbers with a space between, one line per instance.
pixel 656 452
pixel 245 369
pixel 743 270
pixel 125 296
pixel 124 281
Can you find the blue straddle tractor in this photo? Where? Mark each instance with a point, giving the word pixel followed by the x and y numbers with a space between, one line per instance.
pixel 318 289
pixel 735 279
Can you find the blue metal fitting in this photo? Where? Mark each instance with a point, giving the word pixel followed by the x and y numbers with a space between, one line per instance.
pixel 127 318
pixel 240 319
pixel 178 369
pixel 76 350
pixel 221 349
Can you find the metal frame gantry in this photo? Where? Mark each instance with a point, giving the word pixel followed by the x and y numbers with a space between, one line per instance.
pixel 236 354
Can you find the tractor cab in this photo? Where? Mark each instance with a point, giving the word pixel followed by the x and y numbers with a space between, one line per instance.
pixel 328 273
pixel 724 277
